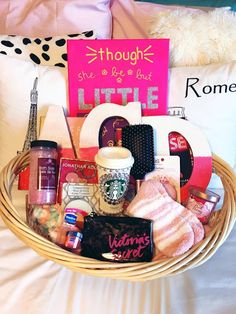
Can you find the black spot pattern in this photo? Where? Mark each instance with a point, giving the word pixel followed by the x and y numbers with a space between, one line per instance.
pixel 18 51
pixel 45 56
pixel 40 53
pixel 38 41
pixel 34 58
pixel 88 34
pixel 60 42
pixel 73 35
pixel 60 65
pixel 26 41
pixel 45 47
pixel 7 43
pixel 64 56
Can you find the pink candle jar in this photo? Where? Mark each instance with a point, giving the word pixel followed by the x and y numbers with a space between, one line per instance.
pixel 43 172
pixel 202 202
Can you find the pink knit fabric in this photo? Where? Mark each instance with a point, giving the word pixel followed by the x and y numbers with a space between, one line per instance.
pixel 175 228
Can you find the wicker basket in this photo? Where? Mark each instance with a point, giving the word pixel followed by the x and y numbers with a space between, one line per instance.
pixel 223 224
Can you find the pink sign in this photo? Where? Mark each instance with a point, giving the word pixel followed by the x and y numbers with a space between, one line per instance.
pixel 118 71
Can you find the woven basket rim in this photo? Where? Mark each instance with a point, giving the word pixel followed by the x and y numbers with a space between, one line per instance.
pixel 196 256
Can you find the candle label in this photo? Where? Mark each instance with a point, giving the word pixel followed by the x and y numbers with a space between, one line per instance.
pixel 76 171
pixel 200 207
pixel 46 174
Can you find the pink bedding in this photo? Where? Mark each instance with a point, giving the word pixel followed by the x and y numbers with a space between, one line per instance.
pixel 107 18
pixel 43 18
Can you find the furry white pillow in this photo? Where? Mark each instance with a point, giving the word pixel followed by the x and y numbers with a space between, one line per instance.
pixel 197 39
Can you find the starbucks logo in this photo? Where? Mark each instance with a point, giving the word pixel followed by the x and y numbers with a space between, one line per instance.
pixel 113 188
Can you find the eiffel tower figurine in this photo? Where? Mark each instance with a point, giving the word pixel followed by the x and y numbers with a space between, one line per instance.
pixel 31 134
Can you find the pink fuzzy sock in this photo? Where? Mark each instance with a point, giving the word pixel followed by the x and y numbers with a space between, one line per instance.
pixel 195 223
pixel 174 229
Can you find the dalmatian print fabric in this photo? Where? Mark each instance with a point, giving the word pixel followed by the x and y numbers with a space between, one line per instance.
pixel 49 51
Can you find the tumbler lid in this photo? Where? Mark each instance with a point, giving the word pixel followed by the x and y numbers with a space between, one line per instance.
pixel 114 157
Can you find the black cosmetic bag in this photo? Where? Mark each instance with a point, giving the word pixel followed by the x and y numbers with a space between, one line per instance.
pixel 117 239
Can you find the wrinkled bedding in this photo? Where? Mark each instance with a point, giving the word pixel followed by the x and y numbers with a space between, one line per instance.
pixel 57 17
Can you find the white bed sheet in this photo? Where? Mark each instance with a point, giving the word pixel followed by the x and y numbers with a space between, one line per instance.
pixel 30 284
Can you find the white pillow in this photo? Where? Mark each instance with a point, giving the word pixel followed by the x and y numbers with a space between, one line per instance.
pixel 208 94
pixel 16 82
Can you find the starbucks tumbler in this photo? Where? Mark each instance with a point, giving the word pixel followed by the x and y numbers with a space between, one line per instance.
pixel 114 164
